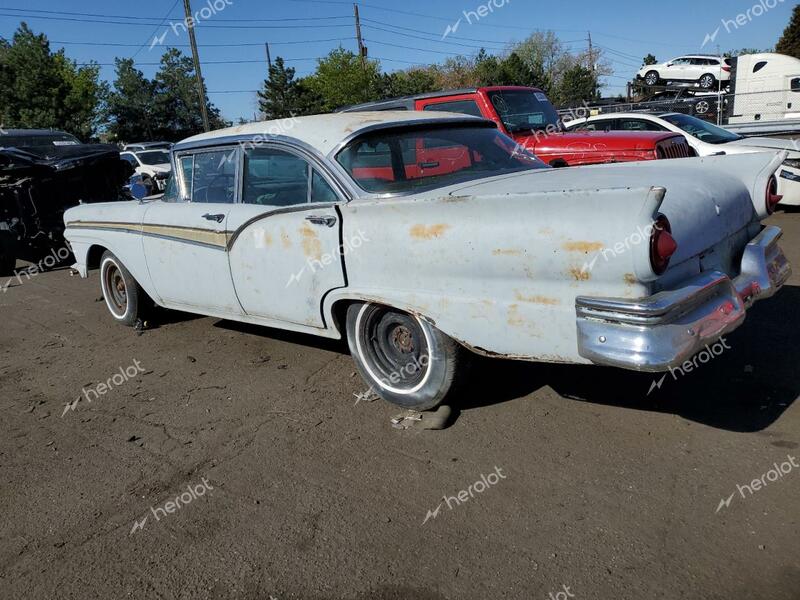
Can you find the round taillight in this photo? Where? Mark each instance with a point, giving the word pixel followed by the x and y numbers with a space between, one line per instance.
pixel 662 245
pixel 772 195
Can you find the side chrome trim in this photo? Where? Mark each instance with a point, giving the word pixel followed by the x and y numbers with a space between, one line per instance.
pixel 277 211
pixel 189 235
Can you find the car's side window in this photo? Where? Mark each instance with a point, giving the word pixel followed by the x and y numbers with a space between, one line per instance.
pixel 639 125
pixel 321 190
pixel 274 177
pixel 210 176
pixel 129 158
pixel 466 107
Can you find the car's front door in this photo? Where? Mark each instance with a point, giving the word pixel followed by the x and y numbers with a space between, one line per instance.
pixel 185 235
pixel 285 250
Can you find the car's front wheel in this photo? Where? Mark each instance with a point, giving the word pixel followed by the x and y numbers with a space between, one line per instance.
pixel 707 81
pixel 702 107
pixel 403 358
pixel 121 292
pixel 651 78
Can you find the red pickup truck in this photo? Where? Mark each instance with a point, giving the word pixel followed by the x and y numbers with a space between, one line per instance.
pixel 529 118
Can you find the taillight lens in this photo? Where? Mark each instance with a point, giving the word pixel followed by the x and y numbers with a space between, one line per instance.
pixel 726 69
pixel 662 245
pixel 772 195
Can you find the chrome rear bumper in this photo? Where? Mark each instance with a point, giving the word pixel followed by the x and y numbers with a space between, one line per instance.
pixel 666 329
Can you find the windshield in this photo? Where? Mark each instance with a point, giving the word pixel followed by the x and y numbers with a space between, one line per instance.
pixel 27 141
pixel 524 110
pixel 154 157
pixel 410 159
pixel 702 130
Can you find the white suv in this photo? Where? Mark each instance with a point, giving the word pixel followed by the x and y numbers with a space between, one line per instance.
pixel 702 69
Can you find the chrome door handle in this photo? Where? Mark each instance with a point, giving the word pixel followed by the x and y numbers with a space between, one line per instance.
pixel 217 218
pixel 328 220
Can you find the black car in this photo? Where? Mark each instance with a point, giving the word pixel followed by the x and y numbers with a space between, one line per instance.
pixel 43 173
pixel 702 106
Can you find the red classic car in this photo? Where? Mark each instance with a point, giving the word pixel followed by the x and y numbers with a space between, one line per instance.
pixel 529 118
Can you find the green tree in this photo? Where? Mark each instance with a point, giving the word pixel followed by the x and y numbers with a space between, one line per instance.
pixel 177 112
pixel 278 97
pixel 131 104
pixel 340 80
pixel 39 88
pixel 578 84
pixel 650 59
pixel 789 44
pixel 407 83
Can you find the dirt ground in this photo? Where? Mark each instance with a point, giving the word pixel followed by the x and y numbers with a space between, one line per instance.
pixel 228 461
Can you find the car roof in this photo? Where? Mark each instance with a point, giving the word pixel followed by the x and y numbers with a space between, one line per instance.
pixel 406 102
pixel 33 132
pixel 324 132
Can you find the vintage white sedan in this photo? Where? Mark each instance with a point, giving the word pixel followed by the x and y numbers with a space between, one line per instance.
pixel 422 238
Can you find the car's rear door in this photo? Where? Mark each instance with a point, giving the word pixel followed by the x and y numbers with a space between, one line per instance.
pixel 285 246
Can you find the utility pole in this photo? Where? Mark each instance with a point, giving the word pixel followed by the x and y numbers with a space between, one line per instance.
pixel 591 53
pixel 269 58
pixel 201 91
pixel 362 49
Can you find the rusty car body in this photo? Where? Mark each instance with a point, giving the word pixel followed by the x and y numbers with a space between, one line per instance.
pixel 421 238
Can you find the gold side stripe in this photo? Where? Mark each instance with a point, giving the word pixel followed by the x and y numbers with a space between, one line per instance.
pixel 187 234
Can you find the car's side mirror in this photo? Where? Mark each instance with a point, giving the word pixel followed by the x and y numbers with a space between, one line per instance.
pixel 138 191
pixel 670 64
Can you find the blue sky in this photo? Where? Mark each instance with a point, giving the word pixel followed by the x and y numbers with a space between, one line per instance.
pixel 302 30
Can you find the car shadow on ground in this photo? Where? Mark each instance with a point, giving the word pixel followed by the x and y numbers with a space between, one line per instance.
pixel 744 389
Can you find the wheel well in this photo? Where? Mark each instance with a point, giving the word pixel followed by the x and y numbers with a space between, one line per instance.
pixel 339 313
pixel 93 256
pixel 558 163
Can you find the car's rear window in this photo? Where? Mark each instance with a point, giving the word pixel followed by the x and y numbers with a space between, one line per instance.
pixel 414 159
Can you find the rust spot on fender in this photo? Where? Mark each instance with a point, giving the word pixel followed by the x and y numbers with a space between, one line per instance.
pixel 584 247
pixel 630 278
pixel 514 318
pixel 312 247
pixel 422 232
pixel 537 299
pixel 578 274
pixel 507 252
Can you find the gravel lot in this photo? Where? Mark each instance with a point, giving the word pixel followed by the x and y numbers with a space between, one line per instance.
pixel 287 487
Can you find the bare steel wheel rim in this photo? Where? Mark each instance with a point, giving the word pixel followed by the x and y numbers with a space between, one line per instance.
pixel 394 347
pixel 116 291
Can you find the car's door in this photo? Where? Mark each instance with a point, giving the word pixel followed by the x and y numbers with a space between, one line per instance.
pixel 185 234
pixel 678 69
pixel 285 250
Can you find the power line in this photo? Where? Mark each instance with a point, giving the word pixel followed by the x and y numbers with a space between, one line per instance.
pixel 169 12
pixel 116 44
pixel 205 23
pixel 138 18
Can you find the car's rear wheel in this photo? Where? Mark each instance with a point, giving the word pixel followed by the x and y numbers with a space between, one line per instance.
pixel 121 292
pixel 707 81
pixel 403 358
pixel 651 78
